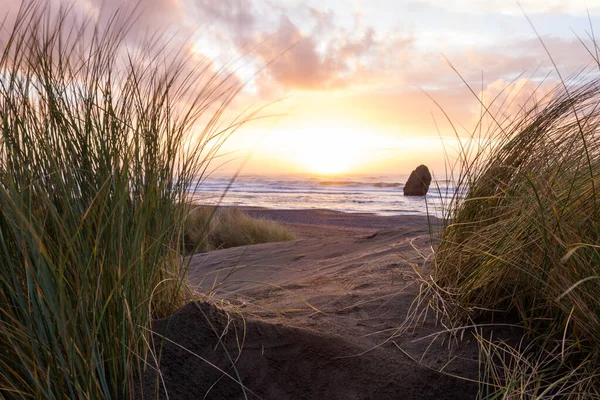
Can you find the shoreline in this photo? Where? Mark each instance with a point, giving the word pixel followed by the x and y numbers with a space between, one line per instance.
pixel 326 218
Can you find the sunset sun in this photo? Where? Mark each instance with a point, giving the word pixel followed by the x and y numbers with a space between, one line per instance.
pixel 327 161
pixel 327 153
pixel 321 151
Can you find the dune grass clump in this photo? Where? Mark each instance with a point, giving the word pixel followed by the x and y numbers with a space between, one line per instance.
pixel 212 228
pixel 525 240
pixel 96 154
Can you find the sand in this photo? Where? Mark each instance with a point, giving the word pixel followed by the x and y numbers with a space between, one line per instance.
pixel 314 318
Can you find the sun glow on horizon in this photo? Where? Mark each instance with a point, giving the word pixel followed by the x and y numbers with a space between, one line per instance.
pixel 336 149
pixel 322 151
pixel 325 161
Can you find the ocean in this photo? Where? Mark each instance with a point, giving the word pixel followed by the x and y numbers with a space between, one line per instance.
pixel 375 194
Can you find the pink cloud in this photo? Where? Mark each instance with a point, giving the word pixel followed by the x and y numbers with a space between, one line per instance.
pixel 318 60
pixel 235 15
pixel 293 60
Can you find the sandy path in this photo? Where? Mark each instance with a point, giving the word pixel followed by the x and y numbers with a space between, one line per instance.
pixel 318 316
pixel 342 278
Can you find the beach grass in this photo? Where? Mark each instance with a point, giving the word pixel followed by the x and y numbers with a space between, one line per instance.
pixel 99 145
pixel 210 228
pixel 520 240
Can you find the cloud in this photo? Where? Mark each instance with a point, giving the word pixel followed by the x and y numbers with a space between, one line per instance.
pixel 156 14
pixel 285 47
pixel 293 60
pixel 509 7
pixel 138 19
pixel 133 36
pixel 234 15
pixel 294 46
pixel 525 58
pixel 507 100
pixel 326 58
pixel 299 46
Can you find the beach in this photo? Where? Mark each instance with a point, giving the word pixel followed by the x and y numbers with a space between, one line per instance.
pixel 314 318
pixel 305 200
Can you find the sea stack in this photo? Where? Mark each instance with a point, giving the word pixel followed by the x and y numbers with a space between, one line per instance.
pixel 418 182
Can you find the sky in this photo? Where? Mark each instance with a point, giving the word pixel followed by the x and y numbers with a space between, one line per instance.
pixel 376 87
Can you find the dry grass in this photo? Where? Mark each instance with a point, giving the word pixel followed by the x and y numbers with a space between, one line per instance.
pixel 212 228
pixel 524 237
pixel 521 237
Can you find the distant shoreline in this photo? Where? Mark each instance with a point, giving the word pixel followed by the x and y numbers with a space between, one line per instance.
pixel 339 219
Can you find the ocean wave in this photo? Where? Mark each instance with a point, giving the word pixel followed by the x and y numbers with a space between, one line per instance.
pixel 387 184
pixel 357 183
pixel 340 183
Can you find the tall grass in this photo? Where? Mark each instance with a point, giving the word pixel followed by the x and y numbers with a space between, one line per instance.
pixel 97 148
pixel 211 228
pixel 524 240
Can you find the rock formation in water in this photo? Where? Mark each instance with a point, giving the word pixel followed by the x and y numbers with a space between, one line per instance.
pixel 418 182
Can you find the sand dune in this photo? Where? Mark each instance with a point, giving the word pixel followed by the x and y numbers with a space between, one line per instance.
pixel 315 318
